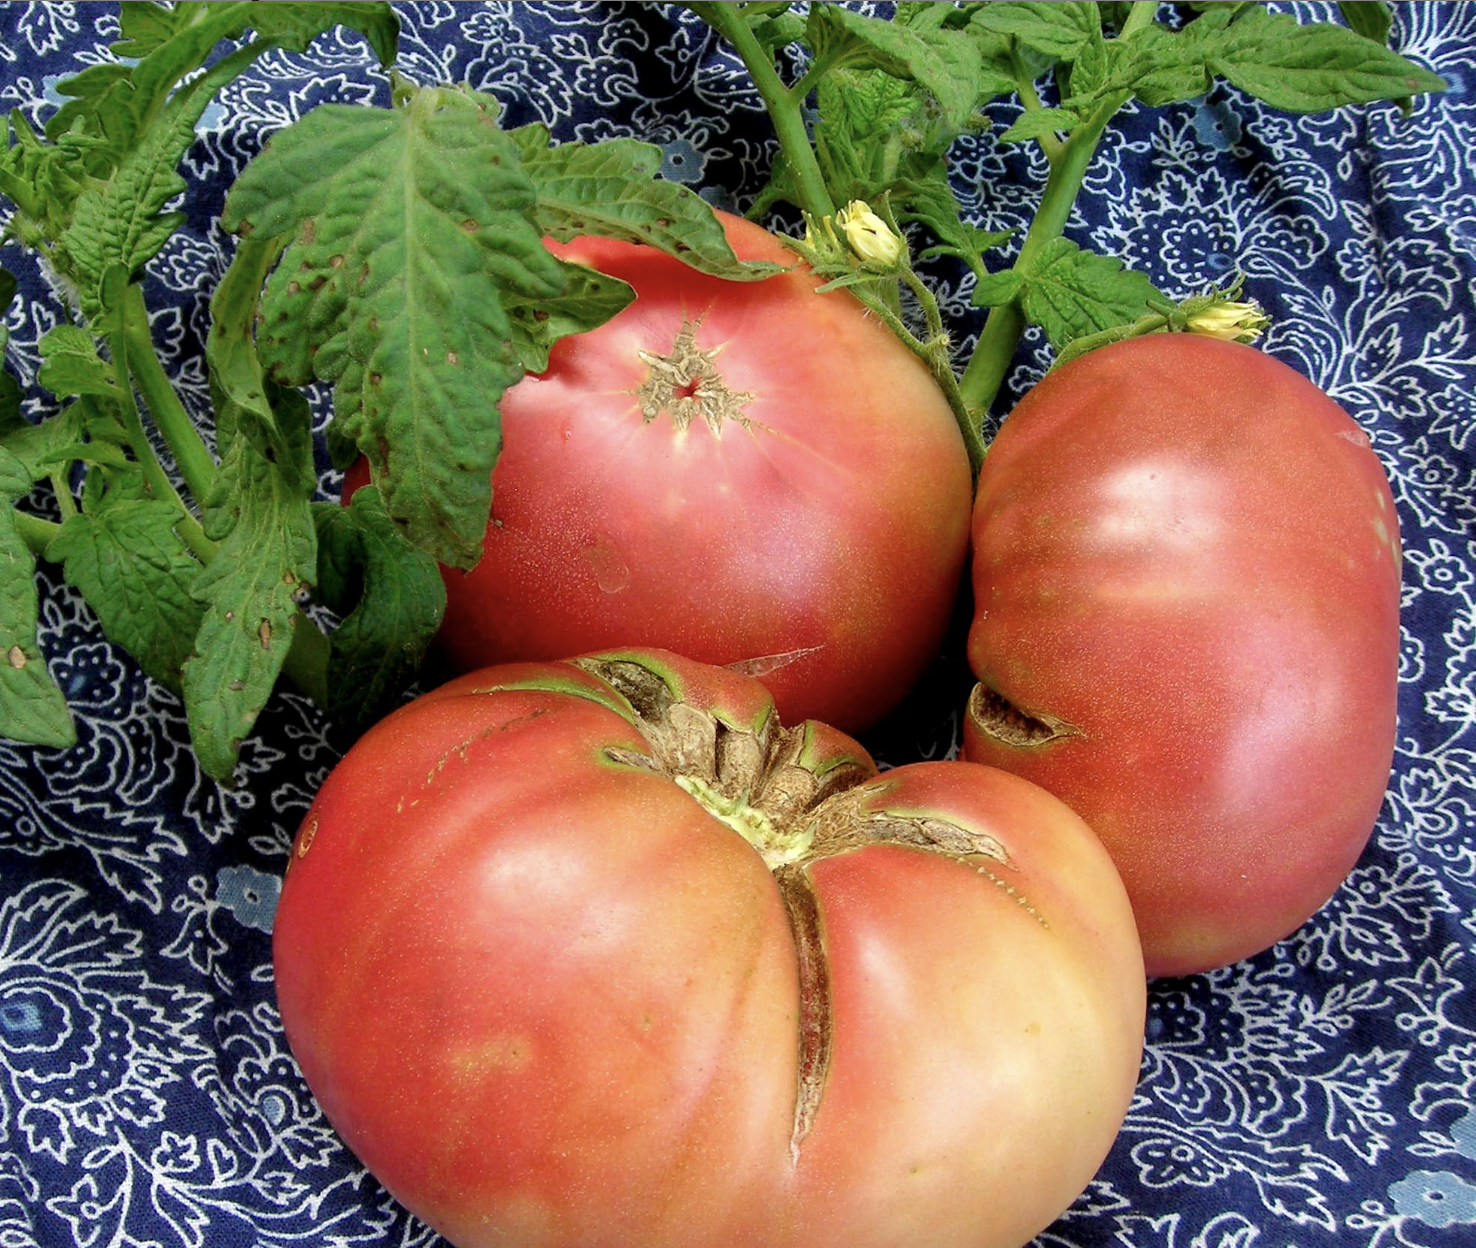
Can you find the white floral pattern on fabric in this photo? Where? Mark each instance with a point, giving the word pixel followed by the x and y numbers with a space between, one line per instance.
pixel 1319 1095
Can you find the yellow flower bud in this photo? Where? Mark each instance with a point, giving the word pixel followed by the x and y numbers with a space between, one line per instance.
pixel 1234 322
pixel 870 238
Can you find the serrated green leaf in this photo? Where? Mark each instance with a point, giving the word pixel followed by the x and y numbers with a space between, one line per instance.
pixel 120 223
pixel 128 562
pixel 37 446
pixel 1058 29
pixel 414 226
pixel 117 103
pixel 944 62
pixel 1314 67
pixel 1069 292
pixel 589 300
pixel 71 365
pixel 146 25
pixel 391 598
pixel 32 708
pixel 249 592
pixel 1038 122
pixel 238 384
pixel 611 189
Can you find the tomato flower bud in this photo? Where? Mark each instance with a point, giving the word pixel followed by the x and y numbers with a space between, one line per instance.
pixel 870 238
pixel 1230 320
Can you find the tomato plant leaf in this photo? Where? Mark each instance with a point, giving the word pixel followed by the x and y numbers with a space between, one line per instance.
pixel 266 560
pixel 612 189
pixel 129 564
pixel 1312 67
pixel 1372 19
pixel 945 62
pixel 391 599
pixel 1060 30
pixel 994 289
pixel 1069 292
pixel 71 365
pixel 1035 123
pixel 116 104
pixel 238 381
pixel 32 707
pixel 413 227
pixel 589 300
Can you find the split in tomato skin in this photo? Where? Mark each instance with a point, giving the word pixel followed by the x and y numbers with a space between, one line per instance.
pixel 599 951
pixel 746 473
pixel 1186 577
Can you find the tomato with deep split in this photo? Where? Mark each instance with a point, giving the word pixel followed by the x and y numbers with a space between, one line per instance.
pixel 600 952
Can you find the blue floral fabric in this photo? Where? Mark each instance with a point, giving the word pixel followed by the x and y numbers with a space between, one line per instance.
pixel 1318 1095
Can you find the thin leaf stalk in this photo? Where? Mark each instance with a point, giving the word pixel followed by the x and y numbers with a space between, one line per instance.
pixel 35 531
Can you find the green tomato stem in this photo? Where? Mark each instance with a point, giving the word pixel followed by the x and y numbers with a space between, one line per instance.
pixel 188 448
pixel 1005 324
pixel 783 104
pixel 155 477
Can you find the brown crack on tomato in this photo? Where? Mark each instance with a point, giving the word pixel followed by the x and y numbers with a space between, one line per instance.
pixel 998 717
pixel 687 385
pixel 796 806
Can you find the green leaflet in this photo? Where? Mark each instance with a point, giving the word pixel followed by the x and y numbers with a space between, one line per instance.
pixel 119 104
pixel 250 591
pixel 589 299
pixel 128 563
pixel 1069 292
pixel 32 708
pixel 70 365
pixel 944 62
pixel 1060 29
pixel 611 189
pixel 1311 68
pixel 391 599
pixel 120 223
pixel 238 383
pixel 413 227
pixel 1297 67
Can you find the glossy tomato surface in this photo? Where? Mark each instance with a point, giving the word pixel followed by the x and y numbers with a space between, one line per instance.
pixel 1186 572
pixel 599 953
pixel 742 472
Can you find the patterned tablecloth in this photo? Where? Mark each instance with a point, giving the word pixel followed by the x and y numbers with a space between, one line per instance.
pixel 1317 1095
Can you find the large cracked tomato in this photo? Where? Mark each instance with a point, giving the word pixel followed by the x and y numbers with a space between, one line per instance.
pixel 742 472
pixel 598 953
pixel 1186 574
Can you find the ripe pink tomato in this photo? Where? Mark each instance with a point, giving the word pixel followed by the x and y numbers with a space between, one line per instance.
pixel 1186 578
pixel 743 472
pixel 598 952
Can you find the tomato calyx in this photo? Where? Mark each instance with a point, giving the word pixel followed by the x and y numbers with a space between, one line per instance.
pixel 797 795
pixel 687 385
pixel 996 716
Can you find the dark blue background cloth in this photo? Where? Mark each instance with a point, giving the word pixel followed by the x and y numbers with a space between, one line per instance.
pixel 1317 1095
